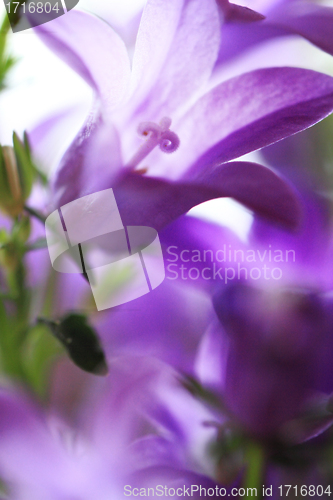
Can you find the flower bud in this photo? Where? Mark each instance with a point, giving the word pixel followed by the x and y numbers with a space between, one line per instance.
pixel 10 188
pixel 16 176
pixel 9 258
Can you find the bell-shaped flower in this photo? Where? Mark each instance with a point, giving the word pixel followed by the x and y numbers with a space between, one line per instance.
pixel 104 444
pixel 166 95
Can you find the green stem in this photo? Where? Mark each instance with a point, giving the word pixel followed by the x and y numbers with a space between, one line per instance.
pixel 35 213
pixel 4 28
pixel 255 463
pixel 36 245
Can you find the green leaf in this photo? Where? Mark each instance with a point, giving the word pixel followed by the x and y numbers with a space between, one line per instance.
pixel 42 177
pixel 26 169
pixel 6 198
pixel 6 61
pixel 81 342
pixel 21 230
pixel 38 354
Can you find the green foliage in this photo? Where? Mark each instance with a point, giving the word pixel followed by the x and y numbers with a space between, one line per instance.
pixel 17 175
pixel 6 60
pixel 39 352
pixel 26 169
pixel 7 201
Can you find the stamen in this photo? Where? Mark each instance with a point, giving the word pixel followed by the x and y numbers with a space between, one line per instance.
pixel 158 135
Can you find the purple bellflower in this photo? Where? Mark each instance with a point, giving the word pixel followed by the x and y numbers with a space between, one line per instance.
pixel 119 438
pixel 279 359
pixel 274 336
pixel 166 95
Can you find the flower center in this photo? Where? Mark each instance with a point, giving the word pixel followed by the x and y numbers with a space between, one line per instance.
pixel 157 135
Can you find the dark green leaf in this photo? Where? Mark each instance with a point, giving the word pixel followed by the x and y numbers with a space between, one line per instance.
pixel 81 342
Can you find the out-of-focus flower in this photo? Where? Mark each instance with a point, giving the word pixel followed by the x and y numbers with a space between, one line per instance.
pixel 265 362
pixel 283 18
pixel 275 336
pixel 279 359
pixel 203 128
pixel 108 443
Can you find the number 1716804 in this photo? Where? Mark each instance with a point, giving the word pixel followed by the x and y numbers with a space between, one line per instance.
pixel 304 490
pixel 33 7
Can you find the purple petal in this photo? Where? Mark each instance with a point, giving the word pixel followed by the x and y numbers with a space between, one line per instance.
pixel 135 328
pixel 90 163
pixel 256 187
pixel 211 359
pixel 175 53
pixel 25 441
pixel 93 50
pixel 313 22
pixel 193 234
pixel 52 136
pixel 237 38
pixel 270 376
pixel 238 13
pixel 252 111
pixel 156 203
pixel 154 450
